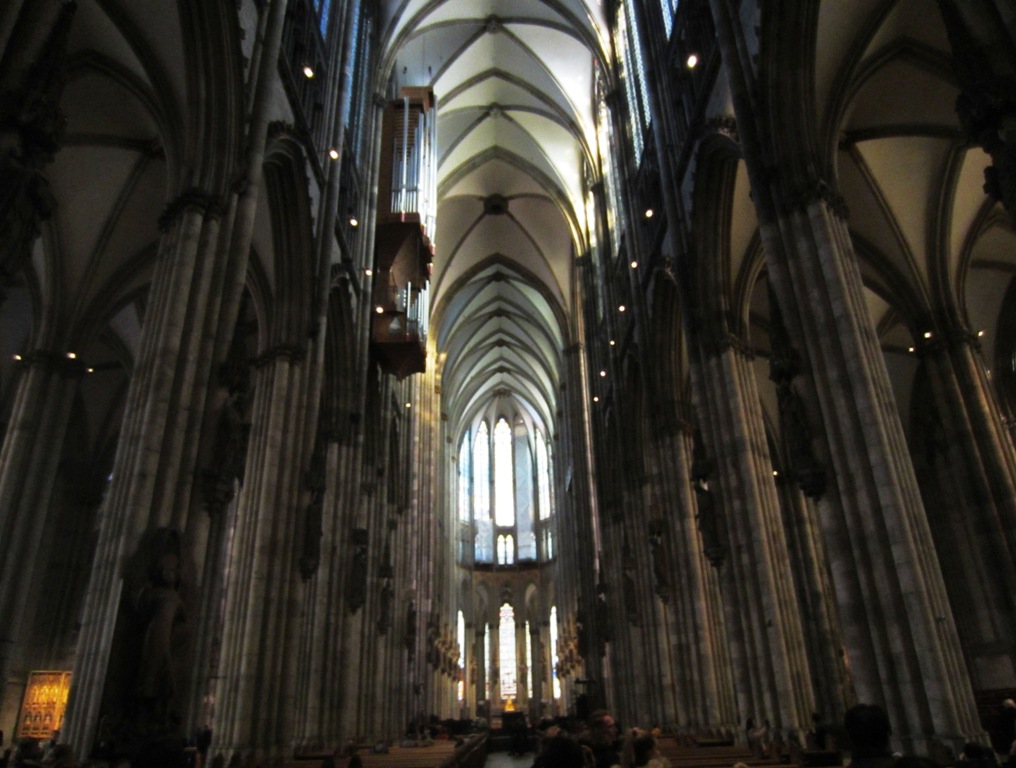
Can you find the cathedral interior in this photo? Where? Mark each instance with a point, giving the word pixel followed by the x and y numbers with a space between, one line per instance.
pixel 363 361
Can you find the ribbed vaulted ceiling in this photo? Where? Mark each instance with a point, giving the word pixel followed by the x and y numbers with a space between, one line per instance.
pixel 514 87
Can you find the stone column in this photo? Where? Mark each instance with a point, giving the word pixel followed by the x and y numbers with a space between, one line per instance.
pixel 145 471
pixel 823 635
pixel 263 604
pixel 539 669
pixel 480 661
pixel 964 459
pixel 762 610
pixel 29 460
pixel 696 635
pixel 901 639
pixel 192 309
pixel 577 511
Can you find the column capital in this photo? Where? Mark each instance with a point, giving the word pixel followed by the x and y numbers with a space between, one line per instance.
pixel 798 193
pixel 292 353
pixel 720 125
pixel 714 344
pixel 192 198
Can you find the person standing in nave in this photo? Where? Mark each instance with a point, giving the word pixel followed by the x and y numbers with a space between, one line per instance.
pixel 641 751
pixel 868 731
pixel 602 739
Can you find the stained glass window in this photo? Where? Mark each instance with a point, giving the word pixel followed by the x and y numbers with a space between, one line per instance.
pixel 484 548
pixel 555 682
pixel 669 8
pixel 324 8
pixel 504 490
pixel 486 662
pixel 633 76
pixel 460 633
pixel 543 475
pixel 506 640
pixel 464 456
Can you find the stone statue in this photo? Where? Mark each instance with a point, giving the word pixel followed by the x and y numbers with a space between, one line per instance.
pixel 157 586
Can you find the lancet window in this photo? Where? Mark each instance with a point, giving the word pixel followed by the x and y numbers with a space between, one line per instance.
pixel 323 8
pixel 555 681
pixel 504 493
pixel 628 43
pixel 508 660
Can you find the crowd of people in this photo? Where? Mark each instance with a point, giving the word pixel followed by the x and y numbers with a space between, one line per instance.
pixel 866 731
pixel 599 742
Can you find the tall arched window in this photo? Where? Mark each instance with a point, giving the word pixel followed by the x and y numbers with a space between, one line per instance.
pixel 529 661
pixel 460 635
pixel 509 662
pixel 633 75
pixel 487 663
pixel 323 8
pixel 543 475
pixel 504 483
pixel 505 549
pixel 500 490
pixel 484 549
pixel 669 8
pixel 525 497
pixel 464 476
pixel 555 682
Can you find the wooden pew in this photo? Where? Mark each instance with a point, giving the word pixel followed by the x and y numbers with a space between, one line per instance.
pixel 471 753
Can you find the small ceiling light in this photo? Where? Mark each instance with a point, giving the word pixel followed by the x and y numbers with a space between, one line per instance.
pixel 71 356
pixel 16 358
pixel 596 399
pixel 612 342
pixel 980 333
pixel 333 153
pixel 368 272
pixel 603 374
pixel 308 72
pixel 353 221
pixel 649 213
pixel 409 405
pixel 910 349
pixel 691 61
pixel 379 309
pixel 634 264
pixel 622 308
pixel 927 334
pixel 90 370
pixel 776 473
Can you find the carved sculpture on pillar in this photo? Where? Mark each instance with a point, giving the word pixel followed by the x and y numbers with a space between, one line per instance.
pixel 628 585
pixel 385 613
pixel 356 589
pixel 603 626
pixel 409 636
pixel 582 633
pixel 710 522
pixel 784 365
pixel 310 559
pixel 987 104
pixel 31 126
pixel 145 696
pixel 657 547
pixel 232 434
